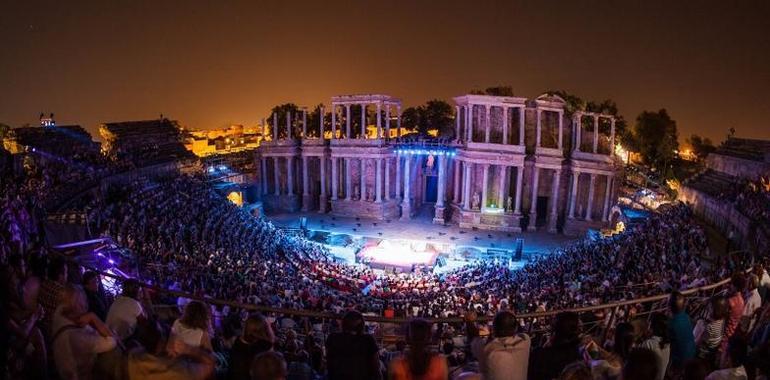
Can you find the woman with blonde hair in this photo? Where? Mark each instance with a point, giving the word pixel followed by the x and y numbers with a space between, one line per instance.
pixel 78 336
pixel 192 329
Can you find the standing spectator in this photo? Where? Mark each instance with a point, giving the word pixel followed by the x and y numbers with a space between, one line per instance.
pixel 352 354
pixel 96 301
pixel 78 336
pixel 419 362
pixel 192 328
pixel 752 302
pixel 506 354
pixel 680 331
pixel 735 307
pixel 764 281
pixel 562 349
pixel 126 311
pixel 257 337
pixel 709 331
pixel 658 342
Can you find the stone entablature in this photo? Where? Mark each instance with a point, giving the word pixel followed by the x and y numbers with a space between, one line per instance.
pixel 484 178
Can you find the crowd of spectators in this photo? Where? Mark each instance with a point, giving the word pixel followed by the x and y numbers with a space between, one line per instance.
pixel 61 323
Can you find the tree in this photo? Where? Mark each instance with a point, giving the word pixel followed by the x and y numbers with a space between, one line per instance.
pixel 437 114
pixel 4 129
pixel 701 146
pixel 281 111
pixel 411 118
pixel 656 136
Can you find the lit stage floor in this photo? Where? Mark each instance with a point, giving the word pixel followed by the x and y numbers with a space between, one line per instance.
pixel 370 232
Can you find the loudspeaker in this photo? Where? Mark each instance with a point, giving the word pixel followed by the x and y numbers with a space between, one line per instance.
pixel 519 249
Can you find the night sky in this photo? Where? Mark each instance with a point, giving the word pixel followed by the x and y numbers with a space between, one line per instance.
pixel 209 64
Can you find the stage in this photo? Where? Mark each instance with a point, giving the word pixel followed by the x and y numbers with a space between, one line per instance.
pixel 391 244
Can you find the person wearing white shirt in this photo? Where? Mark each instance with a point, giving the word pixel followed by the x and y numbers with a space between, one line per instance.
pixel 659 343
pixel 752 302
pixel 126 311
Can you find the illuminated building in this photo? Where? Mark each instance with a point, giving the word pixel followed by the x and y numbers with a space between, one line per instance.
pixel 513 163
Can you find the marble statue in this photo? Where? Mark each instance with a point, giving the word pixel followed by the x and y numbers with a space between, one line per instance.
pixel 356 192
pixel 475 201
pixel 508 205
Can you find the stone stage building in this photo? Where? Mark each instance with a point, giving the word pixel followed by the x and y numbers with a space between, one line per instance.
pixel 513 164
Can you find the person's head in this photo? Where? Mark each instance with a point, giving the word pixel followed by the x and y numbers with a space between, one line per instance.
pixel 196 315
pixel 695 369
pixel 676 302
pixel 576 371
pixel 131 288
pixel 418 337
pixel 566 327
pixel 752 282
pixel 91 281
pixel 624 339
pixel 641 364
pixel 736 351
pixel 73 301
pixel 353 322
pixel 257 328
pixel 719 308
pixel 57 270
pixel 738 282
pixel 151 336
pixel 448 348
pixel 504 324
pixel 268 365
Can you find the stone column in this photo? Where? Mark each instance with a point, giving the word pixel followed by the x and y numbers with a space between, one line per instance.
pixel 578 131
pixel 442 162
pixel 334 121
pixel 484 187
pixel 275 126
pixel 522 111
pixel 519 177
pixel 537 131
pixel 589 209
pixel 263 164
pixel 387 179
pixel 347 121
pixel 362 178
pixel 398 120
pixel 469 122
pixel 467 185
pixel 456 188
pixel 554 201
pixel 378 181
pixel 348 179
pixel 288 125
pixel 277 175
pixel 596 132
pixel 335 178
pixel 406 204
pixel 502 171
pixel 305 182
pixel 304 123
pixel 398 178
pixel 378 121
pixel 573 194
pixel 487 123
pixel 533 205
pixel 561 133
pixel 607 192
pixel 321 123
pixel 363 121
pixel 457 122
pixel 322 197
pixel 290 175
pixel 505 125
pixel 387 121
pixel 612 137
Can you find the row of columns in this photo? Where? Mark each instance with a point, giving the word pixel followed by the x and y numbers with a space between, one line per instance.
pixel 274 131
pixel 348 118
pixel 466 112
pixel 610 182
pixel 578 121
pixel 467 173
pixel 538 128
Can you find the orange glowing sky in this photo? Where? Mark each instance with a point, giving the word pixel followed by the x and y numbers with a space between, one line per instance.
pixel 209 64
